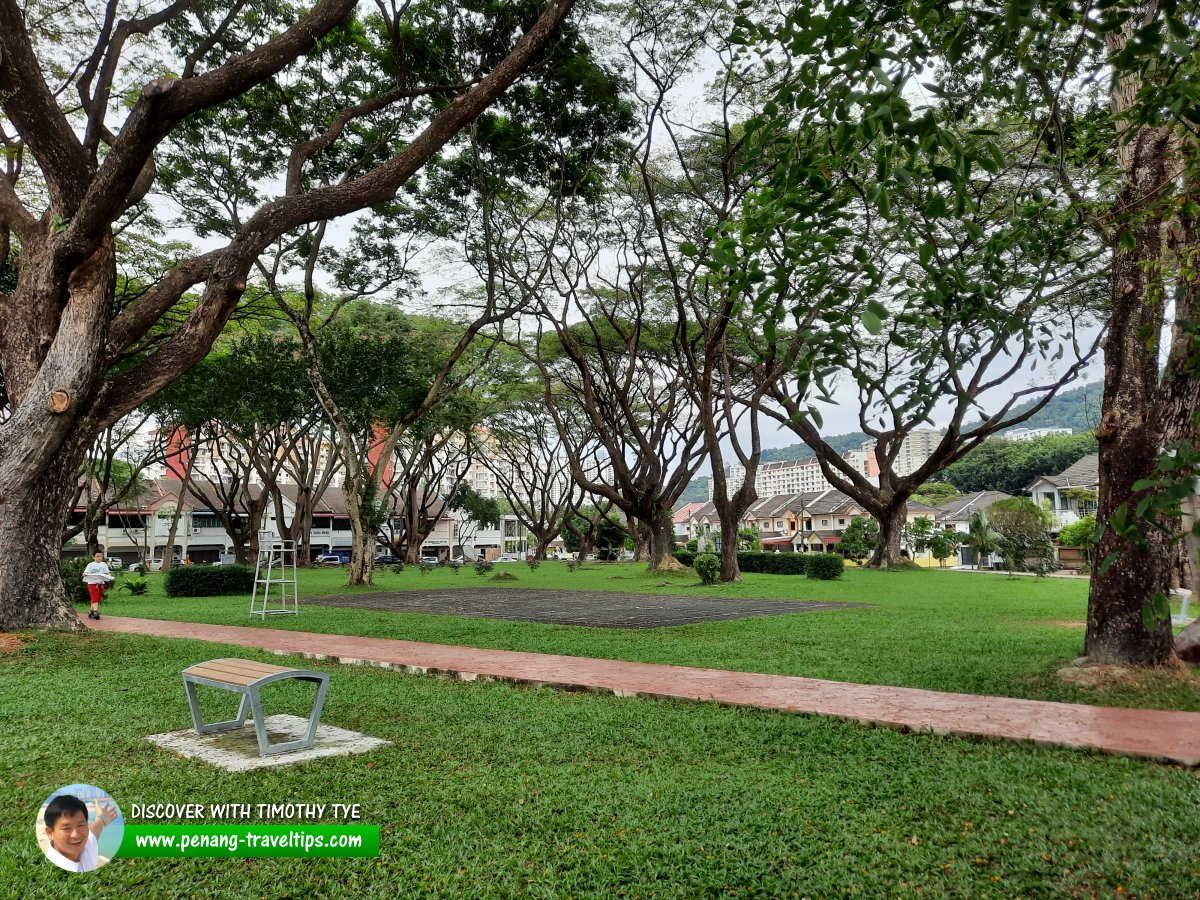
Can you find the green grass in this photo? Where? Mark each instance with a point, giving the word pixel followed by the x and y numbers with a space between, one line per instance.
pixel 494 791
pixel 950 631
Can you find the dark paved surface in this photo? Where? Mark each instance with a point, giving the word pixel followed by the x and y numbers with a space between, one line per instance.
pixel 602 609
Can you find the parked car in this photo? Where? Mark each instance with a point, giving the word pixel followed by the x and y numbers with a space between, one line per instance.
pixel 115 562
pixel 507 558
pixel 427 560
pixel 465 560
pixel 329 559
pixel 387 559
pixel 155 565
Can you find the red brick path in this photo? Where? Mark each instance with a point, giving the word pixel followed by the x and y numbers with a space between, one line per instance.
pixel 1155 734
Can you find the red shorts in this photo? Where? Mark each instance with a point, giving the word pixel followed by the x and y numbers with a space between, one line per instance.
pixel 96 591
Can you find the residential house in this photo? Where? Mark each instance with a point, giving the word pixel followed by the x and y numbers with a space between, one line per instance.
pixel 955 515
pixel 822 520
pixel 682 520
pixel 1071 494
pixel 140 530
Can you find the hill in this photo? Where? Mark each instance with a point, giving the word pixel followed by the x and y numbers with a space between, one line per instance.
pixel 1011 466
pixel 695 492
pixel 1077 409
pixel 839 442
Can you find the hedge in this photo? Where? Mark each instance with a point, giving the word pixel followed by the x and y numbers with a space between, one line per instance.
pixel 826 566
pixel 776 563
pixel 208 581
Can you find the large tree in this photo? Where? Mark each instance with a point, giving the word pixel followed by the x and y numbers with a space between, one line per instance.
pixel 314 274
pixel 529 460
pixel 79 157
pixel 949 276
pixel 247 406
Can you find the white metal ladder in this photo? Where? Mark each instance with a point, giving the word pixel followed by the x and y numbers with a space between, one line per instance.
pixel 275 568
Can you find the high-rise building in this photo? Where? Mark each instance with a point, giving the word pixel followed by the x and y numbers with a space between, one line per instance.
pixel 796 476
pixel 918 445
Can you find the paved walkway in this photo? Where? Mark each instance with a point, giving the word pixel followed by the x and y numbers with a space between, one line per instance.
pixel 1160 735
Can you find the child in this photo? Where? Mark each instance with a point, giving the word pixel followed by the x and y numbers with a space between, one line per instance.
pixel 72 841
pixel 97 577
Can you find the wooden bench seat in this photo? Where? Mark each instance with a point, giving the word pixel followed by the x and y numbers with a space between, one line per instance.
pixel 247 677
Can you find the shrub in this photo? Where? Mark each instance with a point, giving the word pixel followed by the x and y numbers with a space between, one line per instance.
pixel 504 576
pixel 136 586
pixel 685 557
pixel 427 567
pixel 483 566
pixel 533 563
pixel 692 546
pixel 455 565
pixel 208 581
pixel 1080 535
pixel 708 567
pixel 572 565
pixel 826 566
pixel 397 568
pixel 71 571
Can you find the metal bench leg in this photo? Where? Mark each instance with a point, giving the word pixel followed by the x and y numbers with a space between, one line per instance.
pixel 212 727
pixel 260 722
pixel 265 748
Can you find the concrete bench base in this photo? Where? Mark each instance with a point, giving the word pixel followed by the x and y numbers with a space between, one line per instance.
pixel 246 677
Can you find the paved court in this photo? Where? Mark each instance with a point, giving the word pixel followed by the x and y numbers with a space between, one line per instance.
pixel 603 609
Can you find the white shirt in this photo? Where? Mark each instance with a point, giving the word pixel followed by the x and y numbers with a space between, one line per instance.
pixel 88 860
pixel 97 573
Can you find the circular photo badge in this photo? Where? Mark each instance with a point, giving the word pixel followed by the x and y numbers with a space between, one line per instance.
pixel 79 828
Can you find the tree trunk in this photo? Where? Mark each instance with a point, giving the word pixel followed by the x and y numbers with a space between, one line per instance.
pixel 172 532
pixel 362 556
pixel 1128 437
pixel 92 530
pixel 729 548
pixel 641 541
pixel 31 527
pixel 662 546
pixel 891 529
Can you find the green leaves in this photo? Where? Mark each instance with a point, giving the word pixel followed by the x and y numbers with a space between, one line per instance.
pixel 873 316
pixel 1156 611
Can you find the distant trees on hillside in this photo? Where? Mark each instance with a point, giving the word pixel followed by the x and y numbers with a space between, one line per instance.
pixel 1009 466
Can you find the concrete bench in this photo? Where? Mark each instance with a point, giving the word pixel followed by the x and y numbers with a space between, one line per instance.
pixel 246 677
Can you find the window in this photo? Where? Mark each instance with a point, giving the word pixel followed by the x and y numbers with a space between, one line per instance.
pixel 841 521
pixel 205 520
pixel 824 521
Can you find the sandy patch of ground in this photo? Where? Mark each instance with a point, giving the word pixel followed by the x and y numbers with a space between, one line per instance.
pixel 1102 677
pixel 10 643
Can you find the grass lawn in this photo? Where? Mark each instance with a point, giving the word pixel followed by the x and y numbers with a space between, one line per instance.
pixel 950 631
pixel 493 791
